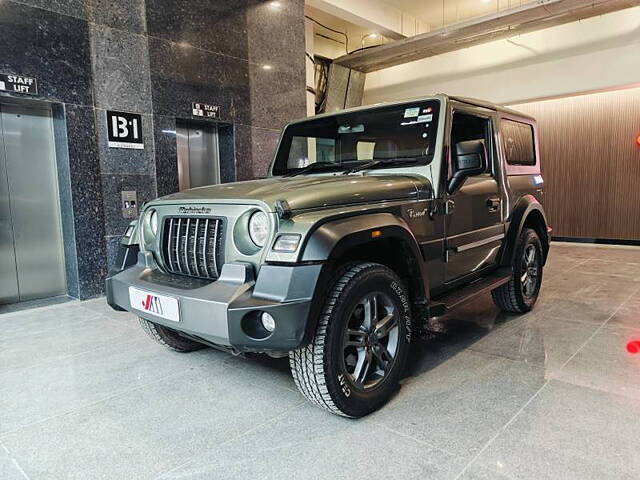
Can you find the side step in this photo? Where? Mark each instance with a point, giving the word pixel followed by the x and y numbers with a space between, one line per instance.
pixel 459 296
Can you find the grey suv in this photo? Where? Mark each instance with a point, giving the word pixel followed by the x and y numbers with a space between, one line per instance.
pixel 371 221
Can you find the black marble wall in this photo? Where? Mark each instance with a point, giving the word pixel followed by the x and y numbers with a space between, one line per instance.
pixel 152 57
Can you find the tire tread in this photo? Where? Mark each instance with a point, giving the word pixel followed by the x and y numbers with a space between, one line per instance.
pixel 507 296
pixel 308 363
pixel 169 339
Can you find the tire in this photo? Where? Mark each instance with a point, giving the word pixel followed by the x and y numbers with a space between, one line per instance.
pixel 169 338
pixel 515 296
pixel 370 302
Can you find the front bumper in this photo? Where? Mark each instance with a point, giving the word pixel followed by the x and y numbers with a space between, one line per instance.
pixel 214 311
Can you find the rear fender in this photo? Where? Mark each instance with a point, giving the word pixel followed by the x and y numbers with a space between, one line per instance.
pixel 527 205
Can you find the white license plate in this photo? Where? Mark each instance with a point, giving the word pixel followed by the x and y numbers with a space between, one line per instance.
pixel 159 305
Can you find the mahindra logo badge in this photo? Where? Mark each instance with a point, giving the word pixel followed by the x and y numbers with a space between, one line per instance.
pixel 152 304
pixel 194 210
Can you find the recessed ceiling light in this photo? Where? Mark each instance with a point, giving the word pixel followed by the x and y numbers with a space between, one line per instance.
pixel 267 67
pixel 275 5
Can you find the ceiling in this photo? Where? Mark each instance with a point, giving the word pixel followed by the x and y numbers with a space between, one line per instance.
pixel 357 35
pixel 432 12
pixel 435 12
pixel 530 16
pixel 465 22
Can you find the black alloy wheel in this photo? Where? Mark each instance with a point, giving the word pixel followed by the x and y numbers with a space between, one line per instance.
pixel 529 269
pixel 521 292
pixel 370 340
pixel 356 357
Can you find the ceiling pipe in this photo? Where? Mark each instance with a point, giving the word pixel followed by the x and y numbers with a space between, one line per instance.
pixel 504 24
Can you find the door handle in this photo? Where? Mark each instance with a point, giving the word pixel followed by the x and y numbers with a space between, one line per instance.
pixel 493 204
pixel 449 207
pixel 433 211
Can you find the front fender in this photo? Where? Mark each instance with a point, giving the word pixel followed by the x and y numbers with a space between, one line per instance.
pixel 332 239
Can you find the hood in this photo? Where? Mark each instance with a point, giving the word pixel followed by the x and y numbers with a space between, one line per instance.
pixel 308 191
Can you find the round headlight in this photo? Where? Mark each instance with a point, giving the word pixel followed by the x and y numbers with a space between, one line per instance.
pixel 259 228
pixel 153 222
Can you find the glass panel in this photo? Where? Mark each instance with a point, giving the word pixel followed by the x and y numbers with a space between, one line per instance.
pixel 365 150
pixel 305 150
pixel 393 134
pixel 518 143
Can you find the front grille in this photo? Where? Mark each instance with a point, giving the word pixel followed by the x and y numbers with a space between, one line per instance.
pixel 193 246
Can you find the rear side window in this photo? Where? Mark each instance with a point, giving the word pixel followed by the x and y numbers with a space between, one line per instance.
pixel 518 143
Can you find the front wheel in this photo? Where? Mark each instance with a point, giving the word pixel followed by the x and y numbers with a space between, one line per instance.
pixel 356 357
pixel 169 338
pixel 521 292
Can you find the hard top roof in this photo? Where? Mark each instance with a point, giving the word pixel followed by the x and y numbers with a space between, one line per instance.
pixel 437 96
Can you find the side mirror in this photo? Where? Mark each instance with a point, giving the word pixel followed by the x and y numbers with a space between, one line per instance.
pixel 470 159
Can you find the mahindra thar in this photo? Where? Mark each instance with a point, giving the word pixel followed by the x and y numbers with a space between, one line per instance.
pixel 370 222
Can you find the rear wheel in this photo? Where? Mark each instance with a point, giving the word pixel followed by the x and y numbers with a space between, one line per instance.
pixel 521 292
pixel 169 338
pixel 355 360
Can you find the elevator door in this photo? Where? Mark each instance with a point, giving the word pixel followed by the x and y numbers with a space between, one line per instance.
pixel 198 154
pixel 31 249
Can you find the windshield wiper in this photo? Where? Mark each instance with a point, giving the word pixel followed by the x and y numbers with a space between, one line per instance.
pixel 312 167
pixel 384 161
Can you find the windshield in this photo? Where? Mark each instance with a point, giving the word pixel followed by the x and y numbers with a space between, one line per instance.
pixel 382 137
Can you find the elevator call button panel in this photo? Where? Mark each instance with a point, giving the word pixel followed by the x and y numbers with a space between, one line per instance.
pixel 129 204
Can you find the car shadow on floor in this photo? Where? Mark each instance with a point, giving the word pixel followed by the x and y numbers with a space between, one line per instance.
pixel 278 364
pixel 446 336
pixel 453 333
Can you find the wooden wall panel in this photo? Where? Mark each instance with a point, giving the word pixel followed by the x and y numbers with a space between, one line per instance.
pixel 591 163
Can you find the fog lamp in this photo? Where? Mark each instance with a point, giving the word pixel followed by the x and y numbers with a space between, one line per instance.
pixel 268 322
pixel 287 243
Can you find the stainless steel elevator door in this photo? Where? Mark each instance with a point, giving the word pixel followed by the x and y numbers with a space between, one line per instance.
pixel 8 271
pixel 29 206
pixel 198 154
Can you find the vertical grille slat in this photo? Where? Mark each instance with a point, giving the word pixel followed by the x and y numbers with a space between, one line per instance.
pixel 215 239
pixel 192 246
pixel 204 248
pixel 195 247
pixel 178 236
pixel 170 240
pixel 185 247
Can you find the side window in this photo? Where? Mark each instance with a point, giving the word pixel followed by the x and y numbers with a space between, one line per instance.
pixel 518 143
pixel 471 127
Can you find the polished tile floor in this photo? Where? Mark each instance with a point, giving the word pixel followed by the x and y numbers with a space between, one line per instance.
pixel 552 394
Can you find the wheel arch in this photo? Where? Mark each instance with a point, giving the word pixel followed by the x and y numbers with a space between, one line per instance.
pixel 378 237
pixel 528 213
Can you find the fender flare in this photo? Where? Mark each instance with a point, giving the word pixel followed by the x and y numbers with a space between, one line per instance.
pixel 523 208
pixel 332 238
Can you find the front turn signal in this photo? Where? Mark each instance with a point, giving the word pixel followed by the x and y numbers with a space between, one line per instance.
pixel 287 243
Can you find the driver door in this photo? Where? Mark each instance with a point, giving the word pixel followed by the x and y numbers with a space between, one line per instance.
pixel 473 221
